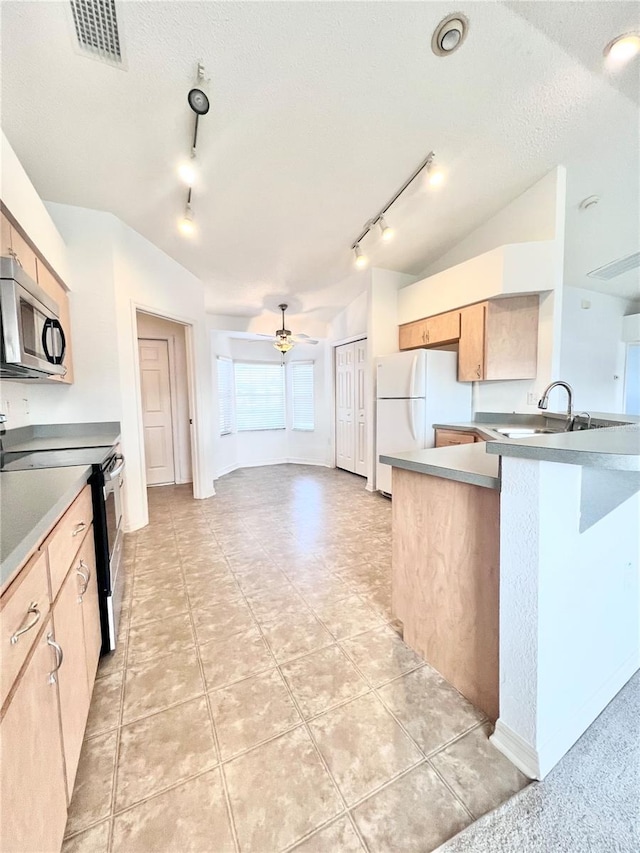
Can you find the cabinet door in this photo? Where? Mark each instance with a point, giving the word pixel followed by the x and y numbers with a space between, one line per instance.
pixel 5 236
pixel 54 289
pixel 86 563
pixel 34 806
pixel 72 677
pixel 472 343
pixel 412 335
pixel 443 328
pixel 24 254
pixel 451 438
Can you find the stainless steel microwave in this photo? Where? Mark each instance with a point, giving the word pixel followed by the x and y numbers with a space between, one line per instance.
pixel 32 340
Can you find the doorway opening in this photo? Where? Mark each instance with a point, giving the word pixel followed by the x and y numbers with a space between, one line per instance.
pixel 164 394
pixel 350 407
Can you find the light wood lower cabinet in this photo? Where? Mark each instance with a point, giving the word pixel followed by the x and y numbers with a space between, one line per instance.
pixel 451 438
pixel 74 686
pixel 47 683
pixel 33 803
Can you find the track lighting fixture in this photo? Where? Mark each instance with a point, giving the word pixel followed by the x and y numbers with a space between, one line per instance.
pixel 385 232
pixel 361 259
pixel 435 178
pixel 622 49
pixel 188 171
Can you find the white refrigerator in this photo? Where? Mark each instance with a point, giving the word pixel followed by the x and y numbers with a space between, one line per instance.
pixel 414 390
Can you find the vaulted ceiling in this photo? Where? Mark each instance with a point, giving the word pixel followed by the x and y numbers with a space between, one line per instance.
pixel 319 111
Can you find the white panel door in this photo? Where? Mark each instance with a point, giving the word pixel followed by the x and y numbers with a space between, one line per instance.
pixel 345 409
pixel 360 367
pixel 156 411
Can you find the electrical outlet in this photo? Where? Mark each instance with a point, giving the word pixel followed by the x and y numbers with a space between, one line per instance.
pixel 26 405
pixel 531 398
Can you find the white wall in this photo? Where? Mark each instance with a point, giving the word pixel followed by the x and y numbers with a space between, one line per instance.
pixel 269 447
pixel 592 356
pixel 148 280
pixel 569 605
pixel 156 328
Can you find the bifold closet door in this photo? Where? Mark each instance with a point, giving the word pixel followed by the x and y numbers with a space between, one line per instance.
pixel 351 427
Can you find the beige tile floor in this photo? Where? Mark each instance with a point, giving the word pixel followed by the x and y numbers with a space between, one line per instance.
pixel 261 698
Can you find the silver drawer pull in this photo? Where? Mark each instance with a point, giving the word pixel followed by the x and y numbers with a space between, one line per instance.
pixel 33 608
pixel 80 526
pixel 85 577
pixel 59 658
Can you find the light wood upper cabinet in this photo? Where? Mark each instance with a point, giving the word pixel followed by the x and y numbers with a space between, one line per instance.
pixel 56 291
pixel 497 339
pixel 20 250
pixel 5 236
pixel 472 343
pixel 34 806
pixel 432 331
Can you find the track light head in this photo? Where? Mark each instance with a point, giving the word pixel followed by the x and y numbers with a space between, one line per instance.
pixel 435 175
pixel 188 172
pixel 198 102
pixel 361 259
pixel 386 232
pixel 186 224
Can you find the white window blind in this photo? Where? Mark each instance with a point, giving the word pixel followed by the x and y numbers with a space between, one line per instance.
pixel 225 395
pixel 302 395
pixel 259 395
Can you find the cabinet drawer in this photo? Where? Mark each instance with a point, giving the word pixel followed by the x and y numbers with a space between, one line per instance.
pixel 449 438
pixel 23 611
pixel 67 537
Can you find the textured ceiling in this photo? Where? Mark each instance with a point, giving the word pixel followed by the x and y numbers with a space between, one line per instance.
pixel 319 111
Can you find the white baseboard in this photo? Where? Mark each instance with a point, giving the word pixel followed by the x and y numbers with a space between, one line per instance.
pixel 265 463
pixel 537 762
pixel 517 750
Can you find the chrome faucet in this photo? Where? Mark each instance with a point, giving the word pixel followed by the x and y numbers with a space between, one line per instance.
pixel 544 400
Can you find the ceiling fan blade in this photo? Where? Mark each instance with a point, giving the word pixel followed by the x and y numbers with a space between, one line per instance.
pixel 305 339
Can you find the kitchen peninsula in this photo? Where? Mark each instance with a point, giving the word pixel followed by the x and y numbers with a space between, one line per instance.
pixel 537 588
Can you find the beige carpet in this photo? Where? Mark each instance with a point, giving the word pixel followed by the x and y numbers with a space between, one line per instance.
pixel 589 803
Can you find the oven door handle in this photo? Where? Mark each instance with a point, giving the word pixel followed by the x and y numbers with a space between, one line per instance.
pixel 114 472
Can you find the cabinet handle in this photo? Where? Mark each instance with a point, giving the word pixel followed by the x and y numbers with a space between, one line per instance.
pixel 53 678
pixel 80 526
pixel 85 577
pixel 14 255
pixel 478 372
pixel 33 608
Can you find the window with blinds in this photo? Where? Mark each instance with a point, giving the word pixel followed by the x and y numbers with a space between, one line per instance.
pixel 259 395
pixel 225 395
pixel 302 395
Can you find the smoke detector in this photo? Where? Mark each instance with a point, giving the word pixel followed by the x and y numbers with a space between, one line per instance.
pixel 449 34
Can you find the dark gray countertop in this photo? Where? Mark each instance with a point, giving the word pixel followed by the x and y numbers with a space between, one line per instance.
pixel 615 448
pixel 30 503
pixel 466 463
pixel 61 436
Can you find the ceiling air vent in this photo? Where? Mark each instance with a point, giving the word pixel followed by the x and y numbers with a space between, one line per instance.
pixel 616 268
pixel 96 26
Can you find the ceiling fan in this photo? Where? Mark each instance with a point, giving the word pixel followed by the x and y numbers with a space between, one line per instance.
pixel 284 340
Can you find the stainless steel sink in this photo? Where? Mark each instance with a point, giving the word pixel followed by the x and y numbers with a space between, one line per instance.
pixel 524 432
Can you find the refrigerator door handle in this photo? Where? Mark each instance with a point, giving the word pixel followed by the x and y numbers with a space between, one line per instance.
pixel 412 419
pixel 412 379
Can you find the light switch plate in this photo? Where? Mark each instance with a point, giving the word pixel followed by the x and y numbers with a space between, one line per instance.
pixel 531 398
